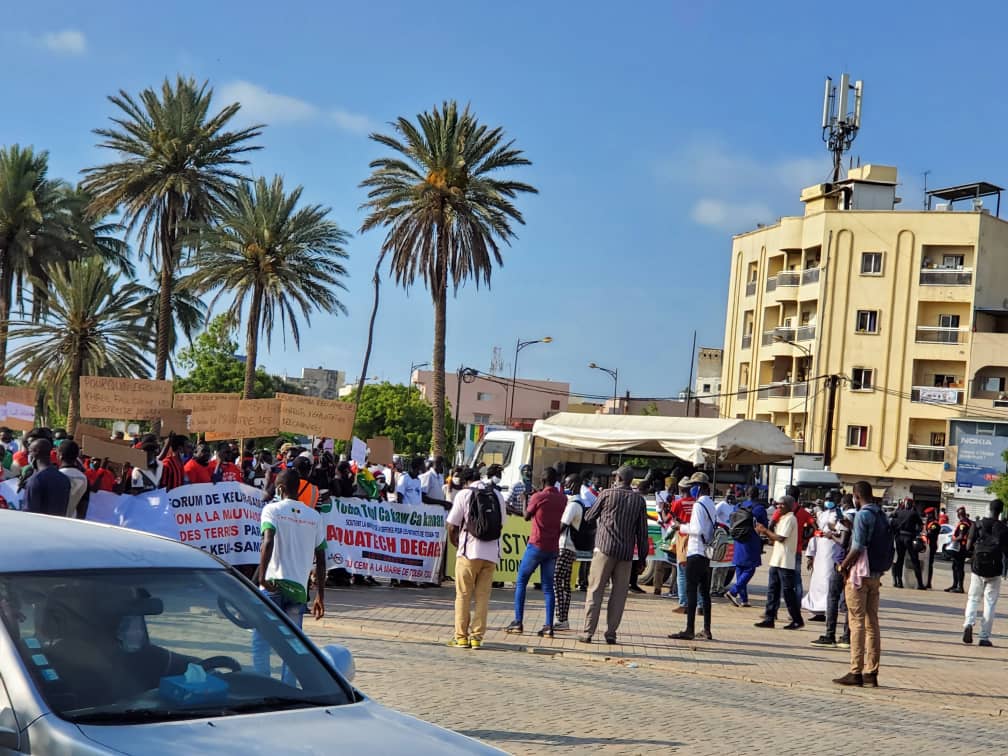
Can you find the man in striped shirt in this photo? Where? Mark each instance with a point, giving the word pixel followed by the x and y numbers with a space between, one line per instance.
pixel 621 513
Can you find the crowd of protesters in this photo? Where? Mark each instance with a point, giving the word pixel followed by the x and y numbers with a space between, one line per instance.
pixel 714 544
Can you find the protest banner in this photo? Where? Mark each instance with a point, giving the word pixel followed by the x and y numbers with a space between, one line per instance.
pixel 257 417
pixel 221 518
pixel 315 417
pixel 18 406
pixel 123 398
pixel 514 539
pixel 358 451
pixel 381 450
pixel 95 431
pixel 384 539
pixel 102 448
pixel 210 413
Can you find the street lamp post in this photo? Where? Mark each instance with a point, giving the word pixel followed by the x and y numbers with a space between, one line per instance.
pixel 413 368
pixel 514 375
pixel 464 375
pixel 614 374
pixel 808 368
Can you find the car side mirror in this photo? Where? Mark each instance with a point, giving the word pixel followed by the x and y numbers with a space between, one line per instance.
pixel 341 660
pixel 9 739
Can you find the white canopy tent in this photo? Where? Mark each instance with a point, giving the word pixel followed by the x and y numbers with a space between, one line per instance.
pixel 697 440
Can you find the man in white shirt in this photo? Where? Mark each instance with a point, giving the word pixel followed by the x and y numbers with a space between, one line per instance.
pixel 293 538
pixel 432 481
pixel 700 530
pixel 475 562
pixel 409 489
pixel 69 452
pixel 784 537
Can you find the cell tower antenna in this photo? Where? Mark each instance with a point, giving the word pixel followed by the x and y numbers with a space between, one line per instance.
pixel 841 117
pixel 496 362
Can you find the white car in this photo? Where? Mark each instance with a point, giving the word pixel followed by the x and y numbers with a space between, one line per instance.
pixel 113 641
pixel 944 539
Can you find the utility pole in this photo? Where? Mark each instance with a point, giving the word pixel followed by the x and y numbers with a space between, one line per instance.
pixel 831 387
pixel 689 384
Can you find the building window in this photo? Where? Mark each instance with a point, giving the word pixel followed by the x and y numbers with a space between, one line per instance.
pixel 483 396
pixel 706 388
pixel 862 379
pixel 944 380
pixel 871 263
pixel 857 436
pixel 867 321
pixel 953 261
pixel 554 404
pixel 994 384
pixel 481 419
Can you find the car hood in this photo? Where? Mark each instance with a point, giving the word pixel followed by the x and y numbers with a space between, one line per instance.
pixel 360 728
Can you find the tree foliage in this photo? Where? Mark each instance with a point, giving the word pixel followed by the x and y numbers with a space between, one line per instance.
pixel 399 412
pixel 999 487
pixel 212 365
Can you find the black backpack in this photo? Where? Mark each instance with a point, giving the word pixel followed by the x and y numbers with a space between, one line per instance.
pixel 881 548
pixel 742 524
pixel 987 561
pixel 583 537
pixel 485 521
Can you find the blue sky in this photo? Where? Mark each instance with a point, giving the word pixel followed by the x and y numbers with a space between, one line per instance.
pixel 656 131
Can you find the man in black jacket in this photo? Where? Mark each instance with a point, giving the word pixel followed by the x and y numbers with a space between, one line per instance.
pixel 907 525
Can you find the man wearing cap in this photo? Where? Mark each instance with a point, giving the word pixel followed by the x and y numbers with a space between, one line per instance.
pixel 681 510
pixel 621 514
pixel 932 529
pixel 700 532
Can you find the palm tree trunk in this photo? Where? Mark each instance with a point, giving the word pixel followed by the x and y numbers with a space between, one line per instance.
pixel 6 289
pixel 252 341
pixel 73 400
pixel 168 237
pixel 439 292
pixel 367 350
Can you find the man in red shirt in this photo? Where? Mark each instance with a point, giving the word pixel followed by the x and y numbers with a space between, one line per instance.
pixel 226 471
pixel 172 474
pixel 545 509
pixel 100 478
pixel 680 511
pixel 197 469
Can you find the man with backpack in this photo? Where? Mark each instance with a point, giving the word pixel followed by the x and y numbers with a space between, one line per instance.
pixel 748 545
pixel 870 557
pixel 475 524
pixel 988 540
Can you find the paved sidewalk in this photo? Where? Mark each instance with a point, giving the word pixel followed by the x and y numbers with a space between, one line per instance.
pixel 923 657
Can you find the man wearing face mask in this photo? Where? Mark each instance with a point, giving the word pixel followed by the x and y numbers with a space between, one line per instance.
pixel 835 537
pixel 47 490
pixel 819 557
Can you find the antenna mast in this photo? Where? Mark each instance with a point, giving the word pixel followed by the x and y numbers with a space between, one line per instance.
pixel 841 118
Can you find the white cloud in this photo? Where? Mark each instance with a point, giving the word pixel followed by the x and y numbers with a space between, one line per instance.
pixel 258 104
pixel 65 42
pixel 737 190
pixel 352 122
pixel 261 105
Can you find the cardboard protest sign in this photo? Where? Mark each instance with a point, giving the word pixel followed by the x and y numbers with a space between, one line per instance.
pixel 101 448
pixel 18 406
pixel 381 450
pixel 95 431
pixel 123 398
pixel 358 451
pixel 257 417
pixel 174 421
pixel 211 413
pixel 315 417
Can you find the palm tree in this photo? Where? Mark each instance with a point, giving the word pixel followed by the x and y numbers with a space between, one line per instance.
pixel 284 260
pixel 444 212
pixel 189 314
pixel 176 166
pixel 36 229
pixel 93 326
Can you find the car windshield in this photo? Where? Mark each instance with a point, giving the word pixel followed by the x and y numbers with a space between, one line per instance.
pixel 493 452
pixel 134 645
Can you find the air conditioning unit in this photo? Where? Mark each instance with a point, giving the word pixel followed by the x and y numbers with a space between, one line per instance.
pixel 943 206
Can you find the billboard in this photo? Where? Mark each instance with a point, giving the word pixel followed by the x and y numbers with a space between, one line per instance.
pixel 980 460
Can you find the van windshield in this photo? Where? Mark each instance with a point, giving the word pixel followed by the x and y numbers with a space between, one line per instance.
pixel 124 646
pixel 493 452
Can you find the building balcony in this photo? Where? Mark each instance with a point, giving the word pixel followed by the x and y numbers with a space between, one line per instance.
pixel 805 332
pixel 771 283
pixel 937 395
pixel 810 275
pixel 774 391
pixel 799 390
pixel 941 335
pixel 742 392
pixel 746 340
pixel 778 335
pixel 750 288
pixel 917 453
pixel 946 277
pixel 789 278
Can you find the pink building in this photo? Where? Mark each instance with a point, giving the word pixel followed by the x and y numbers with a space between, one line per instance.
pixel 485 400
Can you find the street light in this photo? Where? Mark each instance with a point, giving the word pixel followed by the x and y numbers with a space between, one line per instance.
pixel 614 374
pixel 514 375
pixel 808 369
pixel 413 368
pixel 464 375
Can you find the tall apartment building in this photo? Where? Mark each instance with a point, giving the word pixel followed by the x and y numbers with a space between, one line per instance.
pixel 909 307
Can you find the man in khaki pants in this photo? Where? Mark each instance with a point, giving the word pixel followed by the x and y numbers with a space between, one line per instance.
pixel 870 556
pixel 475 562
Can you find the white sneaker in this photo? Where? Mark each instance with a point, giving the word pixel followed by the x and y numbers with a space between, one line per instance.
pixel 561 625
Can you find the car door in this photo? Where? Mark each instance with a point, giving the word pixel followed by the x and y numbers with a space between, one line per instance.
pixel 10 738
